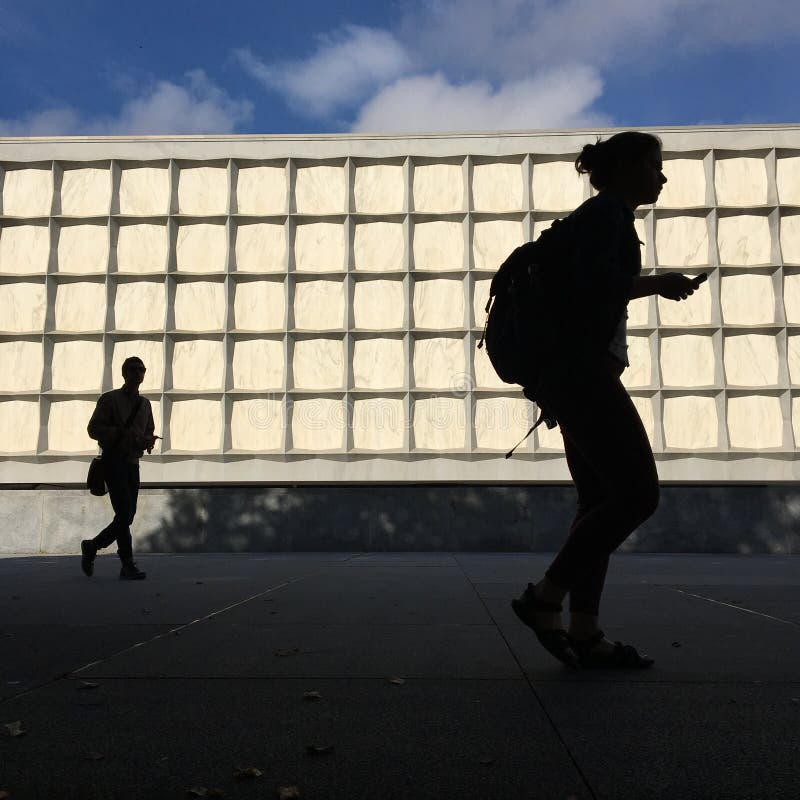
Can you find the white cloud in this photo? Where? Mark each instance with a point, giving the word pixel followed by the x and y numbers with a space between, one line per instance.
pixel 199 106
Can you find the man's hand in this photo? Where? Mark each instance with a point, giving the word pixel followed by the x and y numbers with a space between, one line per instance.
pixel 148 442
pixel 674 286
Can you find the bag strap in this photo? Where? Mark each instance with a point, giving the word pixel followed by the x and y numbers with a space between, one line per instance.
pixel 133 413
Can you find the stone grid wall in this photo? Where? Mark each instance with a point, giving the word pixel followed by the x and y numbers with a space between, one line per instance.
pixel 309 318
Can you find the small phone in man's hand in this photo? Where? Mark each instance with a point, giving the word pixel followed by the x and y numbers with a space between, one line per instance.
pixel 701 278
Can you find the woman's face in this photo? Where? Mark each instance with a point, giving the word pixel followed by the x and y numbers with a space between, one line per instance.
pixel 644 179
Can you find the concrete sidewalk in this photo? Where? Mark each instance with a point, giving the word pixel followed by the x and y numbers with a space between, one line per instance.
pixel 147 689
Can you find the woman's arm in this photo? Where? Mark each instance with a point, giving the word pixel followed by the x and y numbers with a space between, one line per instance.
pixel 671 285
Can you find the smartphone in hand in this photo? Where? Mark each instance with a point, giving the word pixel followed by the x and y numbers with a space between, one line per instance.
pixel 701 278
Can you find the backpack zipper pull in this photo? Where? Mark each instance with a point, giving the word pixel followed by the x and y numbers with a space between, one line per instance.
pixel 485 324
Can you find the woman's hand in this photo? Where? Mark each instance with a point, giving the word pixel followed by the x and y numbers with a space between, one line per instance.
pixel 674 286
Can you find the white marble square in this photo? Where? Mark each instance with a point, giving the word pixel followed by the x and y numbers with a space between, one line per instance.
pixel 744 240
pixel 439 423
pixel 318 364
pixel 500 422
pixel 19 426
pixel 22 362
pixel 319 305
pixel 261 190
pixel 24 249
pixel 644 407
pixel 379 305
pixel 557 186
pixel 379 189
pixel 379 246
pixel 750 360
pixel 438 245
pixel 257 424
pixel 320 190
pixel 638 312
pixel 258 365
pixel 439 363
pixel 438 303
pixel 318 424
pixel 695 310
pixel 498 187
pixel 378 364
pixel 687 360
pixel 747 299
pixel 144 191
pixel 203 191
pixel 378 423
pixel 438 188
pixel 86 192
pixel 790 238
pixel 260 247
pixel 319 247
pixel 77 366
pixel 195 425
pixel 793 355
pixel 740 181
pixel 494 241
pixel 485 375
pixel 142 248
pixel 201 248
pixel 28 192
pixel 755 422
pixel 690 423
pixel 640 371
pixel 791 298
pixel 66 426
pixel 198 365
pixel 259 306
pixel 83 248
pixel 480 295
pixel 682 241
pixel 686 183
pixel 787 175
pixel 151 351
pixel 199 306
pixel 80 307
pixel 796 421
pixel 641 233
pixel 140 306
pixel 22 307
pixel 549 439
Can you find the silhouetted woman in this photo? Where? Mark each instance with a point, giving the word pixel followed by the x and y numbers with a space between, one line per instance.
pixel 607 450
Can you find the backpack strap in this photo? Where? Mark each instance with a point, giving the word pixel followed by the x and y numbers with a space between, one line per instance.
pixel 544 416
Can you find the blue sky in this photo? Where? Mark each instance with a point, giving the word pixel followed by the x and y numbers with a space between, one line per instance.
pixel 243 66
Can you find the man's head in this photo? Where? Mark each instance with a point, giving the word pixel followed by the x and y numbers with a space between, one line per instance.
pixel 133 370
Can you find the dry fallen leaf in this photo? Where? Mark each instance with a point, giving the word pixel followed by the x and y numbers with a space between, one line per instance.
pixel 244 773
pixel 14 728
pixel 197 791
pixel 676 644
pixel 315 750
pixel 312 696
pixel 397 681
pixel 487 761
pixel 288 792
pixel 87 685
pixel 93 756
pixel 291 652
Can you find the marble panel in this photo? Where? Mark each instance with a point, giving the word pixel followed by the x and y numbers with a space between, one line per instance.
pixel 540 225
pixel 142 248
pixel 790 238
pixel 438 245
pixel 740 181
pixel 80 307
pixel 438 363
pixel 261 190
pixel 690 423
pixel 498 187
pixel 747 299
pixel 320 190
pixel 787 174
pixel 793 355
pixel 640 371
pixel 480 295
pixel 19 426
pixel 318 364
pixel 378 423
pixel 151 351
pixel 198 365
pixel 638 311
pixel 750 360
pixel 379 246
pixel 549 439
pixel 28 192
pixel 86 192
pixel 695 310
pixel 318 424
pixel 744 240
pixel 259 306
pixel 66 426
pixel 379 305
pixel 379 189
pixel 144 191
pixel 686 183
pixel 641 233
pixel 260 247
pixel 195 425
pixel 83 248
pixel 201 248
pixel 140 306
pixel 258 364
pixel 199 306
pixel 500 422
pixel 556 186
pixel 494 241
pixel 440 423
pixel 682 241
pixel 687 360
pixel 485 375
pixel 24 249
pixel 319 247
pixel 22 307
pixel 796 421
pixel 319 305
pixel 158 425
pixel 438 303
pixel 791 298
pixel 438 188
pixel 22 362
pixel 257 424
pixel 644 407
pixel 77 366
pixel 755 422
pixel 378 364
pixel 203 191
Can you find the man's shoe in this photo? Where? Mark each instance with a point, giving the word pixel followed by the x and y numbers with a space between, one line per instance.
pixel 88 552
pixel 130 572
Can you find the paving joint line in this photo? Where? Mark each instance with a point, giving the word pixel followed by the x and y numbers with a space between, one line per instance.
pixel 733 606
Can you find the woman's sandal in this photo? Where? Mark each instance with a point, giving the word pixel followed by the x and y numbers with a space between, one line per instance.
pixel 554 640
pixel 624 656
